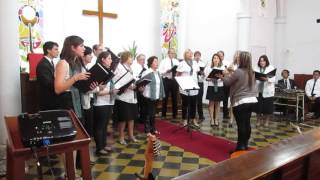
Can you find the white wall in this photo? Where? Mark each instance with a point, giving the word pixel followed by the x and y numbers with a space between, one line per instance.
pixel 212 26
pixel 209 26
pixel 302 36
pixel 10 94
pixel 262 30
pixel 137 20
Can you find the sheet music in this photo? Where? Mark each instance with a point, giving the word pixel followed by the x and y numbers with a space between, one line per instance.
pixel 187 83
pixel 123 80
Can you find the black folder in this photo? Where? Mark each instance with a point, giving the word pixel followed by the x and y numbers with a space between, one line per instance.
pixel 270 74
pixel 99 74
pixel 201 71
pixel 174 68
pixel 125 87
pixel 143 82
pixel 214 72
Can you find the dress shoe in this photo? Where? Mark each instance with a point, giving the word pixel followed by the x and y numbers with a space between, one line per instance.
pixel 107 148
pixel 184 123
pixel 122 142
pixel 195 123
pixel 133 139
pixel 101 152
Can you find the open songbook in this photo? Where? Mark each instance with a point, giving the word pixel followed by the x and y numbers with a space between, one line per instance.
pixel 214 72
pixel 187 83
pixel 99 74
pixel 143 81
pixel 270 74
pixel 124 82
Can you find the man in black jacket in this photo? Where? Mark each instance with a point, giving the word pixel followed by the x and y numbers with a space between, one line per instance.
pixel 45 77
pixel 286 83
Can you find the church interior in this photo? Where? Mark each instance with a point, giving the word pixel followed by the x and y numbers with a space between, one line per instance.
pixel 284 34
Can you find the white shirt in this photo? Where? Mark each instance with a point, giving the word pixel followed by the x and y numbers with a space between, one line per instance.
pixel 201 64
pixel 185 70
pixel 309 87
pixel 208 70
pixel 146 92
pixel 129 95
pixel 50 60
pixel 165 65
pixel 105 99
pixel 288 83
pixel 225 63
pixel 268 87
pixel 245 101
pixel 136 69
pixel 93 62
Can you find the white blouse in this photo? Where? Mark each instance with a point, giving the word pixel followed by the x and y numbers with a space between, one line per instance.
pixel 129 95
pixel 207 72
pixel 185 70
pixel 146 92
pixel 105 99
pixel 201 64
pixel 166 65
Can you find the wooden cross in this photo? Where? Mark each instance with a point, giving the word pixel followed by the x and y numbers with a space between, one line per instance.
pixel 100 15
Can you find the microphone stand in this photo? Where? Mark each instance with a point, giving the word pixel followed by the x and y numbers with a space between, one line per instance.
pixel 188 126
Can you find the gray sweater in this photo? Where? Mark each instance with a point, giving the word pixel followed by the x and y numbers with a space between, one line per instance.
pixel 239 86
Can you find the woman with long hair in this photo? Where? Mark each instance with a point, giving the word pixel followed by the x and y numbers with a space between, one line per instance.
pixel 67 73
pixel 231 68
pixel 266 88
pixel 215 92
pixel 103 105
pixel 243 97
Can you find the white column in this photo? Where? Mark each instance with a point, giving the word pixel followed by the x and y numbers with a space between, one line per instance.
pixel 182 27
pixel 10 90
pixel 280 36
pixel 244 19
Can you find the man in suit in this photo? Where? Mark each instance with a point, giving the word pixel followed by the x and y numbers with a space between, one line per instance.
pixel 286 83
pixel 45 77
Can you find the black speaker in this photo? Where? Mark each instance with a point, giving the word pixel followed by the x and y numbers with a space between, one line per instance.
pixel 318 20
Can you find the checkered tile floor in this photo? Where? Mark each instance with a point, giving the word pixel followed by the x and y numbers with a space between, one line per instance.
pixel 125 161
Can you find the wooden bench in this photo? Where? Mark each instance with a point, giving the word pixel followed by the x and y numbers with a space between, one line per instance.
pixel 294 158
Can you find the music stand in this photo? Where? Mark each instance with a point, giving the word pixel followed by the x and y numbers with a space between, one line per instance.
pixel 187 84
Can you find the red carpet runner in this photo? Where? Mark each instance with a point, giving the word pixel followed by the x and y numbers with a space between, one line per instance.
pixel 211 147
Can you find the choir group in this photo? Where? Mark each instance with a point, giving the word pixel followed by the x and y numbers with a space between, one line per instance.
pixel 123 101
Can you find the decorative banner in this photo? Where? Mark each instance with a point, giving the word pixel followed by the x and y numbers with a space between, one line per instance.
pixel 169 25
pixel 30 14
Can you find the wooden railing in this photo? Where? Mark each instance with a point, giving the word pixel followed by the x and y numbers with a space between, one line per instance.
pixel 294 158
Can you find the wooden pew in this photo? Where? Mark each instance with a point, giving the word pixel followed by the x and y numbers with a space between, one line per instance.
pixel 29 94
pixel 301 80
pixel 294 158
